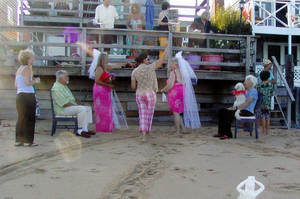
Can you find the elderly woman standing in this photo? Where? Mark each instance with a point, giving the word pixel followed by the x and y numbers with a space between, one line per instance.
pixel 25 101
pixel 204 26
pixel 181 94
pixel 226 115
pixel 144 80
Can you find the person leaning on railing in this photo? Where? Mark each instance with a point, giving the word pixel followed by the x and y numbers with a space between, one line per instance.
pixel 163 24
pixel 201 25
pixel 106 15
pixel 135 21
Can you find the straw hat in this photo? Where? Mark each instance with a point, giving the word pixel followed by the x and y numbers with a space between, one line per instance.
pixel 267 62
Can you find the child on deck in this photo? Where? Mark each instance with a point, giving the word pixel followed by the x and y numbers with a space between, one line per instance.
pixel 266 88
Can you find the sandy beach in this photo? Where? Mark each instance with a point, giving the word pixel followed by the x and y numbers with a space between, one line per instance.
pixel 119 165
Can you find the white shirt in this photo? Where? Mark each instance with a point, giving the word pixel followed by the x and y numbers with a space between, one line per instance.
pixel 106 16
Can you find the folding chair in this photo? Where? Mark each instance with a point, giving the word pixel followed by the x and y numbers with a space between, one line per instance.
pixel 250 120
pixel 59 118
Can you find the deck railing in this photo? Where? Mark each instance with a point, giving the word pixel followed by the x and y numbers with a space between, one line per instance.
pixel 59 44
pixel 277 14
pixel 80 12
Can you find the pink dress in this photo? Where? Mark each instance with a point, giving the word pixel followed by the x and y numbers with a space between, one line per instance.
pixel 103 105
pixel 175 96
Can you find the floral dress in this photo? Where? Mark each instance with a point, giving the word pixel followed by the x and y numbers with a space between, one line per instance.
pixel 103 105
pixel 175 96
pixel 134 40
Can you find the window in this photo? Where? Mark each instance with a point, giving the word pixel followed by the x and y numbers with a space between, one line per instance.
pixel 10 14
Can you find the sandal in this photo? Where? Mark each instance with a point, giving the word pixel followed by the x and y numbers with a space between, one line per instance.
pixel 30 144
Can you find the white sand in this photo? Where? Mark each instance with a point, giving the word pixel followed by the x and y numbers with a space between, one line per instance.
pixel 118 165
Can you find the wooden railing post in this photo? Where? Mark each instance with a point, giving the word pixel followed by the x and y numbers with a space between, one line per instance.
pixel 170 40
pixel 247 66
pixel 22 14
pixel 83 51
pixel 289 112
pixel 80 9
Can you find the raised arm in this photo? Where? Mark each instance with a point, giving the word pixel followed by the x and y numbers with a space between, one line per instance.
pixel 115 65
pixel 164 57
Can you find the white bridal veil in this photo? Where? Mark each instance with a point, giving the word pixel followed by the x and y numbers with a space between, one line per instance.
pixel 191 115
pixel 96 54
pixel 119 116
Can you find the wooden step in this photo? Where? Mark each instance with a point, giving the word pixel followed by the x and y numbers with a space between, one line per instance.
pixel 278 127
pixel 277 119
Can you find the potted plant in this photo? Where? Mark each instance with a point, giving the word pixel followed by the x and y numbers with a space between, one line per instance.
pixel 213 57
pixel 194 57
pixel 227 21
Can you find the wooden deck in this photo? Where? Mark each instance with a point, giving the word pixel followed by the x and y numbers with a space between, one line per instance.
pixel 212 91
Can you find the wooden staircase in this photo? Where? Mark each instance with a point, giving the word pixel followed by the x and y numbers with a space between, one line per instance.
pixel 281 115
pixel 278 119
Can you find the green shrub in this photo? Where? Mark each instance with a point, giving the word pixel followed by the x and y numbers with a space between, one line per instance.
pixel 18 48
pixel 227 21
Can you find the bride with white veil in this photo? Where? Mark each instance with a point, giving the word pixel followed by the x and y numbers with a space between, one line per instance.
pixel 181 95
pixel 109 113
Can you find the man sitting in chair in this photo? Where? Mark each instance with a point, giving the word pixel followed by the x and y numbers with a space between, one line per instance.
pixel 66 104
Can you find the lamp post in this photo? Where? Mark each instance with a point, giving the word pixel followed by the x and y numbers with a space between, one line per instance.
pixel 242 3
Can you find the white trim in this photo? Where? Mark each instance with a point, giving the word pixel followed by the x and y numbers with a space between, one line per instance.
pixel 282 50
pixel 10 15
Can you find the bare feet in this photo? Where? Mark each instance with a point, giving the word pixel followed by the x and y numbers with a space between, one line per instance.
pixel 144 136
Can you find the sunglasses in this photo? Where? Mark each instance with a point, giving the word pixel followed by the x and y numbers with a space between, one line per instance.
pixel 148 59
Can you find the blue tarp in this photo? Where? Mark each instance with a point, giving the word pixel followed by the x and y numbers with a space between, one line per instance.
pixel 149 14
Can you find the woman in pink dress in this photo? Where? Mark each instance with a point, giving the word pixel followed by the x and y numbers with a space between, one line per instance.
pixel 103 106
pixel 175 95
pixel 181 94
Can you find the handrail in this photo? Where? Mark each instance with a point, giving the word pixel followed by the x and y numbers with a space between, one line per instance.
pixel 290 96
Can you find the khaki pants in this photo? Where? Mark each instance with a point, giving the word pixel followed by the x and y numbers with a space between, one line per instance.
pixel 83 113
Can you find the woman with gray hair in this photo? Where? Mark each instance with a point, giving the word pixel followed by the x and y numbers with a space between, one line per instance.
pixel 203 25
pixel 226 115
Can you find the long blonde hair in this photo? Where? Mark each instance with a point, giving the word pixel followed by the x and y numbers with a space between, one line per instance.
pixel 102 60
